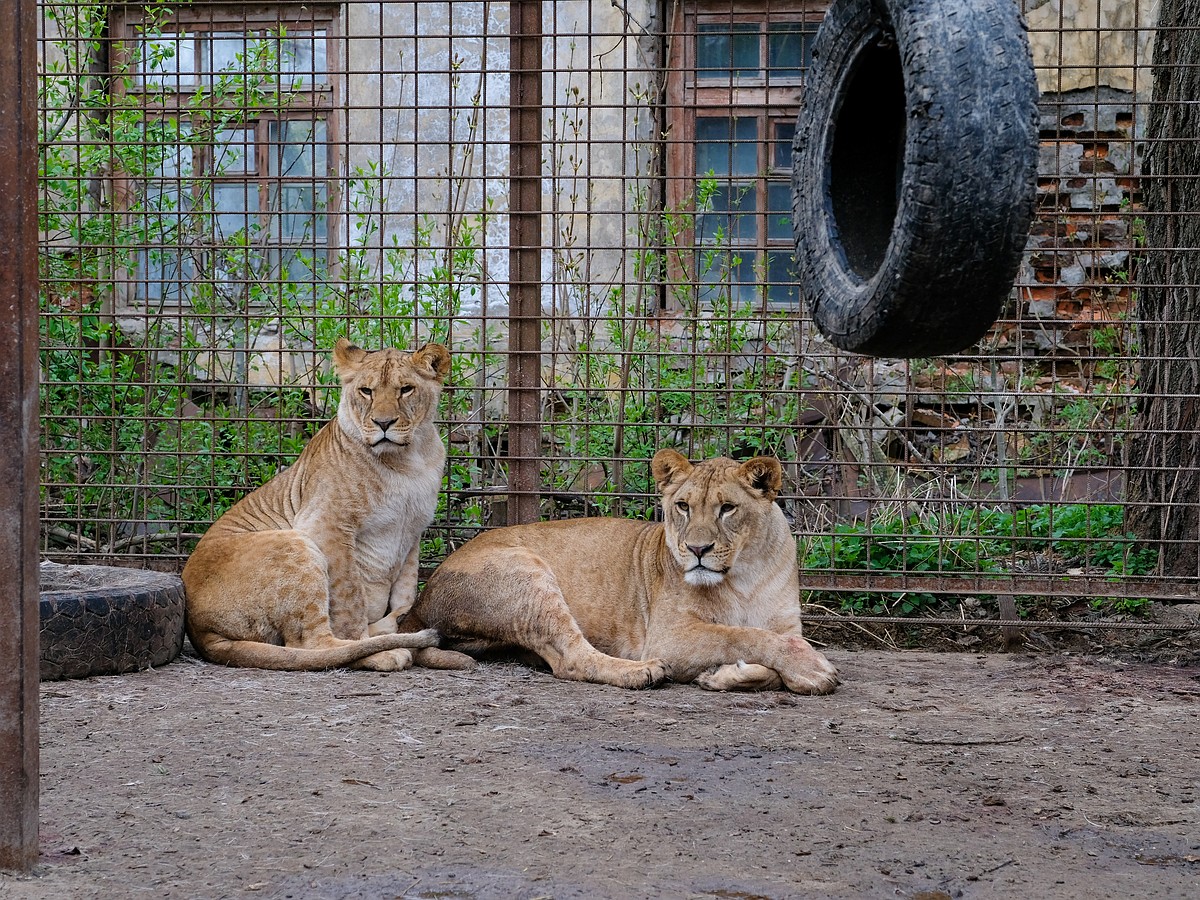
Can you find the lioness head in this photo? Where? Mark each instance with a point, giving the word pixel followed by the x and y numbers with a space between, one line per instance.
pixel 715 510
pixel 386 394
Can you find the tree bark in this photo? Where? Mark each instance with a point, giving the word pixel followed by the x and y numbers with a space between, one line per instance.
pixel 1163 480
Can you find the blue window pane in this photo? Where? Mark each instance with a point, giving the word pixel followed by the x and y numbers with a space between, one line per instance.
pixel 233 151
pixel 781 145
pixel 235 207
pixel 730 217
pixel 300 210
pixel 726 276
pixel 728 50
pixel 782 284
pixel 726 146
pixel 789 49
pixel 167 61
pixel 302 60
pixel 227 51
pixel 779 211
pixel 298 148
pixel 164 275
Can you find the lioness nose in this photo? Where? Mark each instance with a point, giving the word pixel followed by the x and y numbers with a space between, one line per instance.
pixel 698 550
pixel 385 424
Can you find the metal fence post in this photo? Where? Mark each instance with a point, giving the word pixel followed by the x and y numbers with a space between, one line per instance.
pixel 525 233
pixel 18 439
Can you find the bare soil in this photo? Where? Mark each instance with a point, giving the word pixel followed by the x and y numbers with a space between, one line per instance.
pixel 926 775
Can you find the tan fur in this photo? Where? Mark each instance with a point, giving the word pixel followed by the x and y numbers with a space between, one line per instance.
pixel 313 569
pixel 710 595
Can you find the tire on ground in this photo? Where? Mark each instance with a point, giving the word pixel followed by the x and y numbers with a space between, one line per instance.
pixel 107 620
pixel 914 172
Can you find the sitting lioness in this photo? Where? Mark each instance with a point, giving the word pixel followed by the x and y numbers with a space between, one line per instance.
pixel 710 595
pixel 312 570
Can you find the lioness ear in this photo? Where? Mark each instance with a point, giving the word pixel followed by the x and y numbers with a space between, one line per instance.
pixel 346 356
pixel 667 466
pixel 763 474
pixel 434 357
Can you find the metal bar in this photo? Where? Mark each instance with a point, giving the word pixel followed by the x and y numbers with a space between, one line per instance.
pixel 1083 586
pixel 1031 624
pixel 18 439
pixel 525 229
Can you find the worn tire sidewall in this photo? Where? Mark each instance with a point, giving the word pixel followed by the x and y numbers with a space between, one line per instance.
pixel 112 621
pixel 920 299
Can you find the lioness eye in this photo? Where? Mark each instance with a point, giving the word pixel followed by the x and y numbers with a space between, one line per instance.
pixel 727 508
pixel 406 390
pixel 365 391
pixel 681 506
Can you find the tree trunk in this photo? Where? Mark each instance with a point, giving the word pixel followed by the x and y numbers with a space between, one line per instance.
pixel 1163 480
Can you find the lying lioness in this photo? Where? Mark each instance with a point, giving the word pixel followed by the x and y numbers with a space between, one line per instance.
pixel 312 569
pixel 710 595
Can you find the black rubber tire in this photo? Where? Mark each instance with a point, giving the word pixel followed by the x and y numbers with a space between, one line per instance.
pixel 107 620
pixel 914 172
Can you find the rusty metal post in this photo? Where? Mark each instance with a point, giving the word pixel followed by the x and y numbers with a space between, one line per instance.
pixel 525 251
pixel 18 438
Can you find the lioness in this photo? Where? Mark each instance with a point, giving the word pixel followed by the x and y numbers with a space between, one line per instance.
pixel 710 595
pixel 312 570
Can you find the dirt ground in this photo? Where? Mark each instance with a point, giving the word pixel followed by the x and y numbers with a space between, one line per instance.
pixel 926 775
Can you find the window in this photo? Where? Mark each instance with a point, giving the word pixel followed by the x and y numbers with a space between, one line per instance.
pixel 737 75
pixel 225 160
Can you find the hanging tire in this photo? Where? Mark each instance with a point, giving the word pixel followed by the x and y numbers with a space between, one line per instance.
pixel 914 172
pixel 107 620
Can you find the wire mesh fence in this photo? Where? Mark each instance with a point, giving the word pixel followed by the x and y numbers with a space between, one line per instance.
pixel 590 205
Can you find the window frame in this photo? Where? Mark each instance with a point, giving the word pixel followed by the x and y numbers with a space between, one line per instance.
pixel 313 102
pixel 691 96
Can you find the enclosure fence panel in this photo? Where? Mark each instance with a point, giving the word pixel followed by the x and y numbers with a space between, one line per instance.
pixel 590 205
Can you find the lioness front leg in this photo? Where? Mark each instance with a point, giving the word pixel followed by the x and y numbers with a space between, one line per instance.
pixel 692 648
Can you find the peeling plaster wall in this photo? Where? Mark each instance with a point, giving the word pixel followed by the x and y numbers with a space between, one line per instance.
pixel 1088 43
pixel 427 97
pixel 427 109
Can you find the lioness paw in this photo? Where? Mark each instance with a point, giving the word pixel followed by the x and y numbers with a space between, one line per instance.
pixel 657 671
pixel 821 678
pixel 636 675
pixel 741 676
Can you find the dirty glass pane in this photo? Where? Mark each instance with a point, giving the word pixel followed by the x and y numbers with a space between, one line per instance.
pixel 781 278
pixel 726 146
pixel 235 208
pixel 236 273
pixel 233 151
pixel 789 49
pixel 731 214
pixel 781 145
pixel 298 149
pixel 297 271
pixel 726 275
pixel 779 211
pixel 226 52
pixel 302 60
pixel 301 217
pixel 168 164
pixel 299 265
pixel 728 50
pixel 163 275
pixel 167 61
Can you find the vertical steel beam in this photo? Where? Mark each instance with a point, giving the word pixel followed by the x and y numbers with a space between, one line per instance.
pixel 525 252
pixel 18 438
